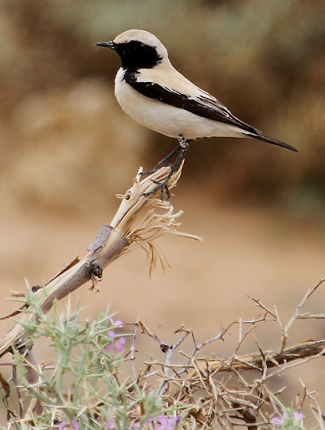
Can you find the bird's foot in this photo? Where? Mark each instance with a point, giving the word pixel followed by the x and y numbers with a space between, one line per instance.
pixel 162 186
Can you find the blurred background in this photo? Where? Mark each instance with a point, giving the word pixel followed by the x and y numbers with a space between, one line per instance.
pixel 66 150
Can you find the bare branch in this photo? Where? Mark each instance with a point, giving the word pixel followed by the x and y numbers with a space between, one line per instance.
pixel 297 311
pixel 272 359
pixel 136 223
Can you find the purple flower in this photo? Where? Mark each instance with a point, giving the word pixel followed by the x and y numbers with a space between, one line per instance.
pixel 64 425
pixel 110 424
pixel 298 416
pixel 118 343
pixel 277 421
pixel 287 420
pixel 164 423
pixel 137 423
pixel 117 323
pixel 167 423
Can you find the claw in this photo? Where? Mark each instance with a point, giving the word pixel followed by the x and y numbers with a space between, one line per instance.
pixel 163 186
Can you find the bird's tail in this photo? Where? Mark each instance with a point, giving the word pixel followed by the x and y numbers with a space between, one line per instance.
pixel 270 140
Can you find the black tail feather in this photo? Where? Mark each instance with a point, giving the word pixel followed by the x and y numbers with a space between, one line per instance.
pixel 272 141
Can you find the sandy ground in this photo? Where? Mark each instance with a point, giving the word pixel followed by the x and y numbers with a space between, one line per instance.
pixel 245 251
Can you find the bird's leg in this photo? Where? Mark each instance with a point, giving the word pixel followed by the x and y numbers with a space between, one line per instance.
pixel 163 186
pixel 163 162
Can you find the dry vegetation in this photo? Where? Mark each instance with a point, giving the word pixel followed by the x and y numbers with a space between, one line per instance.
pixel 205 392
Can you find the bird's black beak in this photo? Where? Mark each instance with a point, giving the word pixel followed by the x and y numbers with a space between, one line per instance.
pixel 106 44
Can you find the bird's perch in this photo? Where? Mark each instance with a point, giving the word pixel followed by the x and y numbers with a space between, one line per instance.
pixel 140 220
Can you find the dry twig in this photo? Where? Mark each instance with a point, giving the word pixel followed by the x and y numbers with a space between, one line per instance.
pixel 139 221
pixel 237 400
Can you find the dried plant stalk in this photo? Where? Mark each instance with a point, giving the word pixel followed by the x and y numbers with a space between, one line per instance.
pixel 140 220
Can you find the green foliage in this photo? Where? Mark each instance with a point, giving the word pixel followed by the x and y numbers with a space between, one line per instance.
pixel 290 419
pixel 82 386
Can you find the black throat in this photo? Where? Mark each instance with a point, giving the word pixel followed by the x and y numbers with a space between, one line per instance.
pixel 137 55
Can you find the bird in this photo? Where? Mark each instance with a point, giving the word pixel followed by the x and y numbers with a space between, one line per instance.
pixel 154 94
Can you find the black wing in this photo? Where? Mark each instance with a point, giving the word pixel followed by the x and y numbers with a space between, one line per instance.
pixel 204 106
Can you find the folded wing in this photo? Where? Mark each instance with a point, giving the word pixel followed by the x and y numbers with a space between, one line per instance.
pixel 203 105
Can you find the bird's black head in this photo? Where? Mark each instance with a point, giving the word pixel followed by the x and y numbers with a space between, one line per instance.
pixel 135 54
